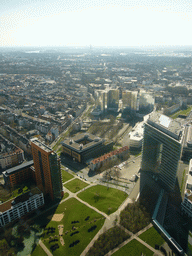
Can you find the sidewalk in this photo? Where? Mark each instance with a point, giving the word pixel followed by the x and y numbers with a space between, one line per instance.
pixel 45 248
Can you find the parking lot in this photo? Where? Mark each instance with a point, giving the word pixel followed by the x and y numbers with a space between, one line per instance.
pixel 127 169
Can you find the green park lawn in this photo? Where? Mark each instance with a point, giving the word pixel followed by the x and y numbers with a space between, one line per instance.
pixel 39 251
pixel 182 112
pixel 84 217
pixel 152 237
pixel 103 198
pixel 75 185
pixel 133 248
pixel 65 195
pixel 66 176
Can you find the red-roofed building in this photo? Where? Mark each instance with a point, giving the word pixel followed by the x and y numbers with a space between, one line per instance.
pixel 97 163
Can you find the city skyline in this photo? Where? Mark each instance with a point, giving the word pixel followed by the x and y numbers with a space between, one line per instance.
pixel 96 23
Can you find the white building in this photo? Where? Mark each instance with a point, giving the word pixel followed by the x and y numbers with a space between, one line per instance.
pixel 136 136
pixel 20 206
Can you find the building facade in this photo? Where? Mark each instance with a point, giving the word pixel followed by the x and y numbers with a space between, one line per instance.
pixel 97 163
pixel 186 205
pixel 47 170
pixel 162 147
pixel 10 154
pixel 17 175
pixel 20 206
pixel 83 147
pixel 113 100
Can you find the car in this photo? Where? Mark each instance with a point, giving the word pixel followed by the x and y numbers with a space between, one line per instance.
pixel 85 179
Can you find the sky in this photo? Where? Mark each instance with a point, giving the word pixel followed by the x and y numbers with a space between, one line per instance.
pixel 95 22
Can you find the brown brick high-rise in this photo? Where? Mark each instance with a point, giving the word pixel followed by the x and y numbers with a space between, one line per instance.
pixel 47 170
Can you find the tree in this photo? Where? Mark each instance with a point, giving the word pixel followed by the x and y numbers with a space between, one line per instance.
pixel 4 247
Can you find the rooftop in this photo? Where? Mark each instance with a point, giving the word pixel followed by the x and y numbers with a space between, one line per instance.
pixel 19 199
pixel 165 124
pixel 82 142
pixel 41 145
pixel 18 168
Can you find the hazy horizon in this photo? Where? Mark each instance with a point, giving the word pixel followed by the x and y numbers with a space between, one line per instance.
pixel 115 23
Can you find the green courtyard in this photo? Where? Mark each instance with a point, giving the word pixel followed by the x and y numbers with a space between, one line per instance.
pixel 75 185
pixel 73 223
pixel 134 248
pixel 103 198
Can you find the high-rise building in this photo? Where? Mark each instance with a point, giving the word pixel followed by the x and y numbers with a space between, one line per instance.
pixel 113 100
pixel 162 147
pixel 129 99
pixel 146 102
pixel 47 170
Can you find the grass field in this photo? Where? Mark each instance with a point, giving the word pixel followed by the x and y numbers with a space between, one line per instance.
pixel 182 112
pixel 152 237
pixel 75 185
pixel 84 217
pixel 133 248
pixel 66 176
pixel 39 251
pixel 103 198
pixel 65 195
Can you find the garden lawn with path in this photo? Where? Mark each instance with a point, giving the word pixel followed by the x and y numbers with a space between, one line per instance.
pixel 39 251
pixel 65 195
pixel 104 198
pixel 152 237
pixel 80 224
pixel 133 248
pixel 66 176
pixel 75 185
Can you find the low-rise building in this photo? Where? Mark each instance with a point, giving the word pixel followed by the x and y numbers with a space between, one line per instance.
pixel 20 206
pixel 136 136
pixel 10 154
pixel 97 163
pixel 19 174
pixel 83 147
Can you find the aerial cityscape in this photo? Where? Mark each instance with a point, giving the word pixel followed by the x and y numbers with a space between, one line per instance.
pixel 95 128
pixel 95 146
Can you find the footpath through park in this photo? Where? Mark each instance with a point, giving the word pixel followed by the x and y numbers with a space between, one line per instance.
pixel 110 221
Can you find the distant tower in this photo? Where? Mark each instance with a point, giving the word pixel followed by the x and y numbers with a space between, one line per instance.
pixel 162 147
pixel 113 100
pixel 47 170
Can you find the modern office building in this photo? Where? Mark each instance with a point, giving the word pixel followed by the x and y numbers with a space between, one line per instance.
pixel 83 147
pixel 186 205
pixel 113 100
pixel 187 144
pixel 47 170
pixel 162 148
pixel 20 206
pixel 129 99
pixel 146 102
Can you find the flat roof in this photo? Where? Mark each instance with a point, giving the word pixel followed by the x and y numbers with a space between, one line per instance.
pixel 21 198
pixel 75 142
pixel 19 167
pixel 41 145
pixel 165 124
